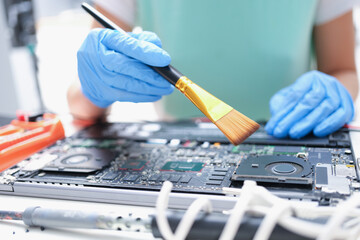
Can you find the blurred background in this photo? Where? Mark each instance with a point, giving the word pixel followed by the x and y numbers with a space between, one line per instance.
pixel 38 44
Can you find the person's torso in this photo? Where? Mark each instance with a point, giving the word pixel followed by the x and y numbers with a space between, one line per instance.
pixel 241 51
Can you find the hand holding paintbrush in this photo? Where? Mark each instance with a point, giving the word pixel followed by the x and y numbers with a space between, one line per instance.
pixel 233 124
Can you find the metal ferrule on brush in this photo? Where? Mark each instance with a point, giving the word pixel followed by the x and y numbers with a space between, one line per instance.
pixel 211 106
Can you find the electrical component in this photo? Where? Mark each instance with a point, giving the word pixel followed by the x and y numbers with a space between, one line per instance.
pixel 183 166
pixel 133 165
pixel 81 161
pixel 195 157
pixel 275 169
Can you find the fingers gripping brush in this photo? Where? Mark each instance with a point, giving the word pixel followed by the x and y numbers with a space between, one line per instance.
pixel 236 126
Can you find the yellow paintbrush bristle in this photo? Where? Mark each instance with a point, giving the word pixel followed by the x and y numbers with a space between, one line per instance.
pixel 236 126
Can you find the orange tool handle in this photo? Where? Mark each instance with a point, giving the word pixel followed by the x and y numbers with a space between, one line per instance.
pixel 21 146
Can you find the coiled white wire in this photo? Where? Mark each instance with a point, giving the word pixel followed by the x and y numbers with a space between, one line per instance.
pixel 343 223
pixel 186 222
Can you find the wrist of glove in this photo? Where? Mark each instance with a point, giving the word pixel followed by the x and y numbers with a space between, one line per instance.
pixel 111 67
pixel 316 103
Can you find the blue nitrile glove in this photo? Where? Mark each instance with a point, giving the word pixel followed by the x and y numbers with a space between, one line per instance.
pixel 315 102
pixel 111 67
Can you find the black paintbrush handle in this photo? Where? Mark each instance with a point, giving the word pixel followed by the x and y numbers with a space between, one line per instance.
pixel 169 72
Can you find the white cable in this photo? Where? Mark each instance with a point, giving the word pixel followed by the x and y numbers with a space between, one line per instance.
pixel 302 209
pixel 269 222
pixel 300 227
pixel 161 208
pixel 355 225
pixel 338 217
pixel 187 221
pixel 344 222
pixel 355 234
pixel 234 221
pixel 352 223
pixel 293 224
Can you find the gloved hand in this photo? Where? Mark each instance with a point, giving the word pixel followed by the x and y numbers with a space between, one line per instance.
pixel 315 102
pixel 110 67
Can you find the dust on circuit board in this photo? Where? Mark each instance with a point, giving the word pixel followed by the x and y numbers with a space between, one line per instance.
pixel 133 156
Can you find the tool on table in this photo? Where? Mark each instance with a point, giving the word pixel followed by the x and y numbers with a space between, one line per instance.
pixel 236 126
pixel 27 135
pixel 206 226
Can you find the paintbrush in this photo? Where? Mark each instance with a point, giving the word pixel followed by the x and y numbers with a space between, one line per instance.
pixel 236 126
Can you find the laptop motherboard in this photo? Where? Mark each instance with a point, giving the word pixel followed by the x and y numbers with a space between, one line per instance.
pixel 196 158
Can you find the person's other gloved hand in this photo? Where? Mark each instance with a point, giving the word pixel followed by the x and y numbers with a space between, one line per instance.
pixel 315 102
pixel 111 67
